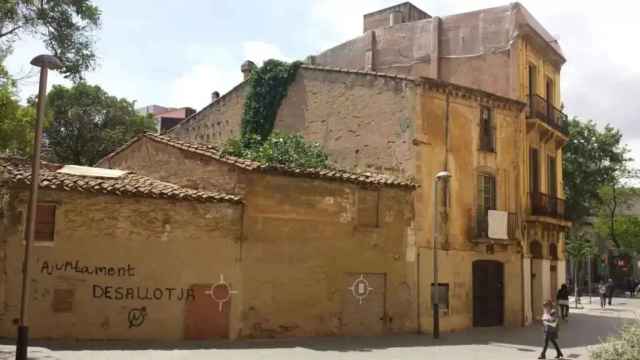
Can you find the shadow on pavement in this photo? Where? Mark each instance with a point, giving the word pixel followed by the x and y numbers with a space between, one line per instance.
pixel 581 330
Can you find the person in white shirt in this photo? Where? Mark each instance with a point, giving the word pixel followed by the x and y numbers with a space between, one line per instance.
pixel 550 323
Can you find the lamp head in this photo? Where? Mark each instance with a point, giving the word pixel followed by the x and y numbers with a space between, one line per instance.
pixel 444 175
pixel 46 61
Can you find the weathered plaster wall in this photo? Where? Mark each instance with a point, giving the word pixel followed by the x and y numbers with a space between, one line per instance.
pixel 456 269
pixel 303 237
pixel 218 121
pixel 162 245
pixel 180 167
pixel 348 55
pixel 364 122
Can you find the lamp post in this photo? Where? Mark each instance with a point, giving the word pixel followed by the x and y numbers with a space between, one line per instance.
pixel 44 62
pixel 435 296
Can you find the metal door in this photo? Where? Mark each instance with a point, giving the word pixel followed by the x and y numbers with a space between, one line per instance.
pixel 363 304
pixel 487 293
pixel 205 318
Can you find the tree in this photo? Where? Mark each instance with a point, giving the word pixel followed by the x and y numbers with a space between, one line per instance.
pixel 86 123
pixel 592 158
pixel 611 222
pixel 65 26
pixel 16 121
pixel 579 247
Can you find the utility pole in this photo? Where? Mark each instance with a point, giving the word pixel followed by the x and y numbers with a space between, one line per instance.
pixel 44 62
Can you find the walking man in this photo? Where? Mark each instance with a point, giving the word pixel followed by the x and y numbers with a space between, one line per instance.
pixel 550 323
pixel 563 301
pixel 610 289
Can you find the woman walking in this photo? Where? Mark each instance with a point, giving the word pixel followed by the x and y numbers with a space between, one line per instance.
pixel 550 322
pixel 563 301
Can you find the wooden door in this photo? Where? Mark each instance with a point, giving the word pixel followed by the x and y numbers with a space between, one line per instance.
pixel 205 318
pixel 363 304
pixel 487 293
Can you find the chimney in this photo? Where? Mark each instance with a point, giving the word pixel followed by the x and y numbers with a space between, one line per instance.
pixel 214 96
pixel 395 17
pixel 246 68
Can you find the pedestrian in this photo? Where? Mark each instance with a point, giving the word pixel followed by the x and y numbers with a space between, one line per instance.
pixel 602 290
pixel 563 300
pixel 550 323
pixel 630 286
pixel 611 287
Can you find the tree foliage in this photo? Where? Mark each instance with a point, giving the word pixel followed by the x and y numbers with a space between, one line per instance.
pixel 86 123
pixel 16 121
pixel 612 220
pixel 268 85
pixel 592 158
pixel 279 149
pixel 65 26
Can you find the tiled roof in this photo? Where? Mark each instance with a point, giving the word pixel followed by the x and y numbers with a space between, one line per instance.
pixel 16 171
pixel 213 152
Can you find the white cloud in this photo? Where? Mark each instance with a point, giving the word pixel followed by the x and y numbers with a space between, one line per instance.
pixel 216 70
pixel 258 52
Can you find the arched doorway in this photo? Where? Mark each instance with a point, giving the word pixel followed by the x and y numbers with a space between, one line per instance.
pixel 537 274
pixel 553 269
pixel 488 293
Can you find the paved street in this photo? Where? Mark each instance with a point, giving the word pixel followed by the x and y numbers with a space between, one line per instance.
pixel 583 330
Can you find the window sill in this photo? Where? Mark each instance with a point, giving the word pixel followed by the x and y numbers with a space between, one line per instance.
pixel 41 243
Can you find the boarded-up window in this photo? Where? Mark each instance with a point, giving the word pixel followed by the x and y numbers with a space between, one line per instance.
pixel 487 131
pixel 62 300
pixel 45 222
pixel 368 203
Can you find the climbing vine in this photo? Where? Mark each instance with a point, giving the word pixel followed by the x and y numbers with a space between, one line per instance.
pixel 268 85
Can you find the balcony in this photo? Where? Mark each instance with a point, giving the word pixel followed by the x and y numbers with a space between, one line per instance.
pixel 482 227
pixel 545 205
pixel 542 109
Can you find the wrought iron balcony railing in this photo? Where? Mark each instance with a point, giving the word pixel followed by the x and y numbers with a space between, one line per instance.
pixel 545 205
pixel 542 109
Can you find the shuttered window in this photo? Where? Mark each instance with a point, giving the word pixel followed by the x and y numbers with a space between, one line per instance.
pixel 45 222
pixel 487 131
pixel 552 180
pixel 486 202
pixel 534 171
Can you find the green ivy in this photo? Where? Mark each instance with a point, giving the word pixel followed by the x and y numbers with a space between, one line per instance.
pixel 289 150
pixel 268 85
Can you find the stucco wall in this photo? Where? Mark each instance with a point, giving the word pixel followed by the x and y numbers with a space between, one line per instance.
pixel 348 55
pixel 302 238
pixel 364 122
pixel 162 245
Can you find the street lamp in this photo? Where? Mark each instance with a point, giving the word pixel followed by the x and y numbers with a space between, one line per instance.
pixel 435 296
pixel 44 62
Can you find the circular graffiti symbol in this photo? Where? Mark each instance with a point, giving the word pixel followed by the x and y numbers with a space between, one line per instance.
pixel 136 316
pixel 360 288
pixel 220 292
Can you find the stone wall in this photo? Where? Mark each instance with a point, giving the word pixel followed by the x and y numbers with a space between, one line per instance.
pixel 304 238
pixel 152 252
pixel 180 167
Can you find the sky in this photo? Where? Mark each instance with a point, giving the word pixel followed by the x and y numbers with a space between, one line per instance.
pixel 175 53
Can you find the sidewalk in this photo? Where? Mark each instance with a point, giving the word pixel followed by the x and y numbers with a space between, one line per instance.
pixel 585 328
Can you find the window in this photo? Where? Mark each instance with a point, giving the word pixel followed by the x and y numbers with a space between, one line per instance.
pixel 368 203
pixel 486 202
pixel 487 134
pixel 533 73
pixel 534 171
pixel 552 180
pixel 45 222
pixel 62 300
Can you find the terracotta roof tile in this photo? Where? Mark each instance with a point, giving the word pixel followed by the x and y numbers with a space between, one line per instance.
pixel 329 174
pixel 16 171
